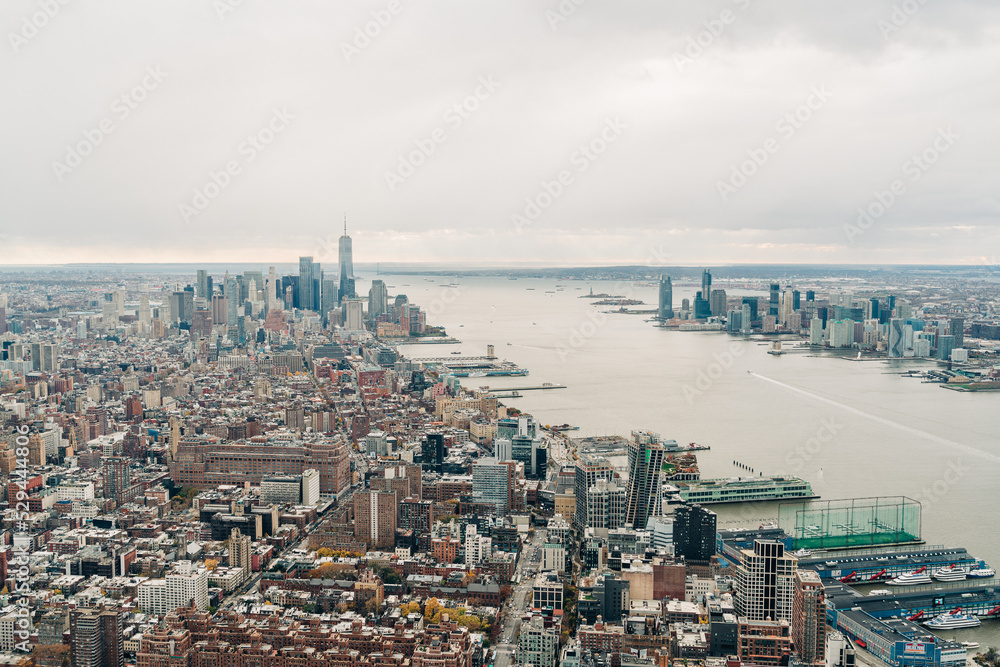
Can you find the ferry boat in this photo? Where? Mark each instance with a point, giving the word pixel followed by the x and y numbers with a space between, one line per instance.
pixel 953 621
pixel 744 489
pixel 981 573
pixel 880 591
pixel 915 578
pixel 952 573
pixel 970 644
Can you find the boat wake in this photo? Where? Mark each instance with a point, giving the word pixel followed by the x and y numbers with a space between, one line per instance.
pixel 882 420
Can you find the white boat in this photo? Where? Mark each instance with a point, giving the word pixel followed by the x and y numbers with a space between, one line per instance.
pixel 915 578
pixel 952 573
pixel 970 644
pixel 880 591
pixel 477 374
pixel 953 621
pixel 801 553
pixel 981 573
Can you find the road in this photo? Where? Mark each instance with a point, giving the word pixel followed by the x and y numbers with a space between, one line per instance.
pixel 251 583
pixel 518 602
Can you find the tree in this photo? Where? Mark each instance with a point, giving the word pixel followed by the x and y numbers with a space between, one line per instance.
pixel 324 571
pixel 325 552
pixel 389 575
pixel 211 564
pixel 309 608
pixel 372 606
pixel 432 606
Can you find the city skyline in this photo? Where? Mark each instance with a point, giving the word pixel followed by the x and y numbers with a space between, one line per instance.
pixel 715 134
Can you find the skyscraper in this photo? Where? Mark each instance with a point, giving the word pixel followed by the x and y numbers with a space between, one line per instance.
pixel 203 283
pixel 375 519
pixel 815 331
pixel 588 472
pixel 702 308
pixel 378 299
pixel 945 344
pixel 717 302
pixel 239 551
pixel 773 303
pixel 694 532
pixel 96 637
pixel 706 284
pixel 896 338
pixel 305 283
pixel 232 293
pixel 645 462
pixel 809 618
pixel 117 477
pixel 765 582
pixel 956 327
pixel 493 482
pixel 346 266
pixel 666 310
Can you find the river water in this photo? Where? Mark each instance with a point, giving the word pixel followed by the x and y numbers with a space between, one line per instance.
pixel 851 428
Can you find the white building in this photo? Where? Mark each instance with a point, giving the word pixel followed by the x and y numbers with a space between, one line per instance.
pixel 537 645
pixel 502 450
pixel 554 557
pixel 354 315
pixel 184 583
pixel 841 333
pixel 765 582
pixel 310 487
pixel 815 331
pixel 76 491
pixel 477 547
pixel 9 625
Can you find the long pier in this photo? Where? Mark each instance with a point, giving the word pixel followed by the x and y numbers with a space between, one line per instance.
pixel 532 388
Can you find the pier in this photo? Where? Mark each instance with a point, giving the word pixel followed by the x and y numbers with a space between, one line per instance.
pixel 982 601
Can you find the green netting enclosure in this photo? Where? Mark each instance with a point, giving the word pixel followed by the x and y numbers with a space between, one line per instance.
pixel 853 522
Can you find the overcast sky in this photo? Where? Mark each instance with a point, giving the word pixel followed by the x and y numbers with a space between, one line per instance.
pixel 682 132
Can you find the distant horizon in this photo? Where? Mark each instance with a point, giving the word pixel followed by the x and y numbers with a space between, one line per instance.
pixel 388 267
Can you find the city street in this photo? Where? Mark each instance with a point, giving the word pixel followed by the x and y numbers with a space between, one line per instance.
pixel 519 600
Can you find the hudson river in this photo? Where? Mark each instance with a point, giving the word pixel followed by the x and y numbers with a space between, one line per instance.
pixel 851 428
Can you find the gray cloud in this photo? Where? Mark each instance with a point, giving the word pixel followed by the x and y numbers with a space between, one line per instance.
pixel 688 126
